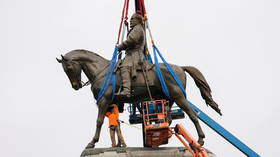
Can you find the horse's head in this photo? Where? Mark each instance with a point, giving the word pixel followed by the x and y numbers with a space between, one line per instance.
pixel 73 70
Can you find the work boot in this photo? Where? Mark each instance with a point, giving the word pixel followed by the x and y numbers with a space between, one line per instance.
pixel 123 145
pixel 119 145
pixel 119 141
pixel 126 82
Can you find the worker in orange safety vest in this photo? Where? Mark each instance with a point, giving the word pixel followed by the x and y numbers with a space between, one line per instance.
pixel 114 125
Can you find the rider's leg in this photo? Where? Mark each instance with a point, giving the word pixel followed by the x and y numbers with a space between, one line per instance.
pixel 126 81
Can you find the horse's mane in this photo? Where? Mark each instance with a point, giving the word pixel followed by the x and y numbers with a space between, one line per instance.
pixel 83 54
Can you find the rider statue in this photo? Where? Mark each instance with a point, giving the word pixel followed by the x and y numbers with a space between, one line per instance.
pixel 134 48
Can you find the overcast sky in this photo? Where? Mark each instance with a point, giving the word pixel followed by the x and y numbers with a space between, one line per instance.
pixel 235 44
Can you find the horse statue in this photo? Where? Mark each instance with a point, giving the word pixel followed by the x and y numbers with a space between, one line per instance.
pixel 96 67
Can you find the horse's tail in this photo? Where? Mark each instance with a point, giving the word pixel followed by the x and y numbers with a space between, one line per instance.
pixel 203 86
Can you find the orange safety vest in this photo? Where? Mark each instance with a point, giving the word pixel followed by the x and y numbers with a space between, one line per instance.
pixel 113 117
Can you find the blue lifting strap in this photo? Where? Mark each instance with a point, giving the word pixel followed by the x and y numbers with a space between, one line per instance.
pixel 201 115
pixel 159 75
pixel 149 58
pixel 173 74
pixel 110 76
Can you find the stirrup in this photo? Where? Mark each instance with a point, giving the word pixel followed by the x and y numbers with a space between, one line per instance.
pixel 121 95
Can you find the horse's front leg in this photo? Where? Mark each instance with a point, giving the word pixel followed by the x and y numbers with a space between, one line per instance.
pixel 99 122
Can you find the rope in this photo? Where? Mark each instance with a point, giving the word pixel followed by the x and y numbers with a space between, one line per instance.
pixel 140 7
pixel 150 32
pixel 129 124
pixel 124 18
pixel 123 33
pixel 143 7
pixel 126 15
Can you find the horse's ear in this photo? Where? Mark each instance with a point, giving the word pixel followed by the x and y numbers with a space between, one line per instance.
pixel 59 60
pixel 63 58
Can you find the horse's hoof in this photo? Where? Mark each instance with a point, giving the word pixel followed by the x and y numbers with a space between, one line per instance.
pixel 90 145
pixel 201 141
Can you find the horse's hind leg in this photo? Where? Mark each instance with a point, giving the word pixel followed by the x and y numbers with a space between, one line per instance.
pixel 99 123
pixel 181 102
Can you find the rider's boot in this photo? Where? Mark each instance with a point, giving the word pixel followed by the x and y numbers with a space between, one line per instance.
pixel 126 82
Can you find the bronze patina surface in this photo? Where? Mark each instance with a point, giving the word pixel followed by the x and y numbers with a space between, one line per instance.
pixel 134 53
pixel 95 68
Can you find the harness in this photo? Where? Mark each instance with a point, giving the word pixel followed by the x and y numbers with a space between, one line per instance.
pixel 99 72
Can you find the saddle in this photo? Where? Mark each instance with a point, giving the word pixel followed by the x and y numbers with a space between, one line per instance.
pixel 137 75
pixel 146 66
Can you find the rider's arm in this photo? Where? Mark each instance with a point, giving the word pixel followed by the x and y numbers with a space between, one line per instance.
pixel 133 38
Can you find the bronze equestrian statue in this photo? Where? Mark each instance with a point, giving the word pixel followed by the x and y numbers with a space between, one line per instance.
pixel 96 67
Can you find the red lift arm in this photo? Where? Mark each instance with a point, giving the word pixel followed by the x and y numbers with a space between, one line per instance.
pixel 156 120
pixel 194 148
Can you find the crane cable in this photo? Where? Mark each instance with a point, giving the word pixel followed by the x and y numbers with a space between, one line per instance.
pixel 123 21
pixel 121 121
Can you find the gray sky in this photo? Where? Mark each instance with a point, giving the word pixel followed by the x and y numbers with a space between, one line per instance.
pixel 235 43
